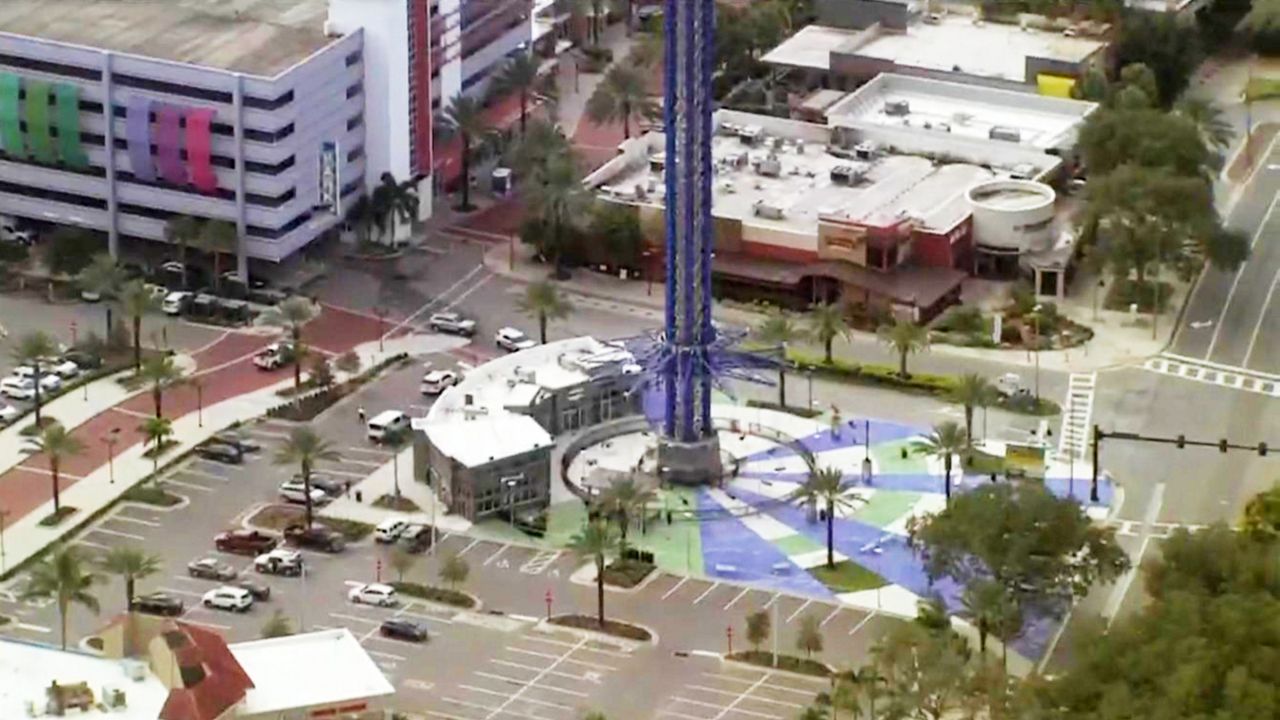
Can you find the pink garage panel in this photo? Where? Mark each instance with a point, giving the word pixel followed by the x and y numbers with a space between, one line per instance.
pixel 169 144
pixel 199 150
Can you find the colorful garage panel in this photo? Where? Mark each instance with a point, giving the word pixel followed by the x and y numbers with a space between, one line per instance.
pixel 169 144
pixel 138 131
pixel 37 117
pixel 10 116
pixel 68 123
pixel 199 149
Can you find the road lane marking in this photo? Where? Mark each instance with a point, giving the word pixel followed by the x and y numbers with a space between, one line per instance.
pixel 1231 293
pixel 706 592
pixel 830 617
pixel 90 543
pixel 428 304
pixel 610 653
pixel 683 580
pixel 494 556
pixel 799 610
pixel 1122 588
pixel 32 628
pixel 466 549
pixel 737 597
pixel 772 600
pixel 862 622
pixel 1257 328
pixel 117 533
pixel 536 564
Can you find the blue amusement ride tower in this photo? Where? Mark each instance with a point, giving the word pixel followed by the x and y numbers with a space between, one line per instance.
pixel 689 450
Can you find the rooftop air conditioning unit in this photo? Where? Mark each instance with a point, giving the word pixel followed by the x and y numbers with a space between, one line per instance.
pixel 897 107
pixel 330 29
pixel 135 671
pixel 768 210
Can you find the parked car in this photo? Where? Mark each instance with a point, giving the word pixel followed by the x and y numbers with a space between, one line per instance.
pixel 512 340
pixel 157 604
pixel 327 485
pixel 1011 385
pixel 83 360
pixel 388 530
pixel 176 303
pixel 387 423
pixel 279 562
pixel 403 630
pixel 317 538
pixel 415 538
pixel 374 594
pixel 437 381
pixel 452 323
pixel 210 569
pixel 245 542
pixel 63 368
pixel 49 380
pixel 228 598
pixel 255 283
pixel 18 388
pixel 296 492
pixel 220 452
pixel 259 591
pixel 8 413
pixel 236 440
pixel 273 356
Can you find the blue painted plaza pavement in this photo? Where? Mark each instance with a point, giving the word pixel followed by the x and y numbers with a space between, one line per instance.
pixel 925 483
pixel 850 434
pixel 727 543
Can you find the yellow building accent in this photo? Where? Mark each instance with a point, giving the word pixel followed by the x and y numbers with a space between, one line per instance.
pixel 1055 85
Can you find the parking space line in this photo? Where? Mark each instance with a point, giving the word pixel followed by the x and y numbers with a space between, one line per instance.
pixel 387 655
pixel 90 543
pixel 361 463
pixel 176 591
pixel 117 533
pixel 474 542
pixel 556 673
pixel 369 451
pixel 189 486
pixel 737 597
pixel 828 618
pixel 534 682
pixel 799 610
pixel 771 701
pixel 354 618
pixel 706 592
pixel 862 622
pixel 611 653
pixel 259 432
pixel 494 556
pixel 136 521
pixel 344 473
pixel 196 472
pixel 444 716
pixel 733 706
pixel 549 656
pixel 683 580
pixel 465 703
pixel 772 600
pixel 215 626
pixel 558 706
pixel 523 684
pixel 687 701
pixel 682 716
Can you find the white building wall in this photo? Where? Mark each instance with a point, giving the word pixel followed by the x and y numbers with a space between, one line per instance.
pixel 451 68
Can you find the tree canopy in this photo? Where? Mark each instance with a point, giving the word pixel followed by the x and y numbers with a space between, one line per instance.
pixel 1144 137
pixel 1162 42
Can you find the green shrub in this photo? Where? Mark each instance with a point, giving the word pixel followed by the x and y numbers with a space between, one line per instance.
pixel 964 319
pixel 627 573
pixel 56 517
pixel 71 250
pixel 785 662
pixel 431 593
pixel 151 494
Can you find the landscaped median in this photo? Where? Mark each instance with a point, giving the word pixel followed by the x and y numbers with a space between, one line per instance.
pixel 616 628
pixel 431 593
pixel 788 663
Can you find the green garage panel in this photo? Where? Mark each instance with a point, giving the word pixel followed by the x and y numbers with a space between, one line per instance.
pixel 10 131
pixel 68 123
pixel 38 122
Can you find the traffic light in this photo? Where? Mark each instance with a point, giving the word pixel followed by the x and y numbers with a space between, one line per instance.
pixel 1262 449
pixel 1222 445
pixel 1182 441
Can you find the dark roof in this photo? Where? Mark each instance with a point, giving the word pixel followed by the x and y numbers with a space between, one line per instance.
pixel 907 285
pixel 216 679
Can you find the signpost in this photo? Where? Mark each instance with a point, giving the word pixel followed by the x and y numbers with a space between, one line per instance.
pixel 549 604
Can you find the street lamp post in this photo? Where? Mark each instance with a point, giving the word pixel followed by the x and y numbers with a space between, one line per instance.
pixel 3 567
pixel 110 440
pixel 1035 320
pixel 510 483
pixel 435 500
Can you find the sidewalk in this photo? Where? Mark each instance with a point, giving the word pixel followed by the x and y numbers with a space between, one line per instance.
pixel 1119 339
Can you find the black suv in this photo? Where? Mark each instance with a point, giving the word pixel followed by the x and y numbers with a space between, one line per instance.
pixel 157 604
pixel 220 452
pixel 403 630
pixel 317 538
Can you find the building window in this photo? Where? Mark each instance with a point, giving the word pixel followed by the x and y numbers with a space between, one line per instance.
pixel 354 90
pixel 355 122
pixel 52 68
pixel 353 58
pixel 263 104
pixel 172 88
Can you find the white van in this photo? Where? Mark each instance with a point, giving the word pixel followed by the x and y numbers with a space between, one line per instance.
pixel 387 423
pixel 388 530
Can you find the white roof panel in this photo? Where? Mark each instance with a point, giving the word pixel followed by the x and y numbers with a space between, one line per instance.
pixel 308 670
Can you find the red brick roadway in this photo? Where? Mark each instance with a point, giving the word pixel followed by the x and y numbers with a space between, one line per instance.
pixel 224 370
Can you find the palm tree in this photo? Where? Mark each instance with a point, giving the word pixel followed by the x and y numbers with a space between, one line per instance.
pixel 623 500
pixel 395 442
pixel 465 116
pixel 541 143
pixel 778 329
pixel 596 542
pixel 64 576
pixel 827 322
pixel 542 300
pixel 31 350
pixel 519 75
pixel 972 391
pixel 868 680
pixel 365 217
pixel 182 230
pixel 161 373
pixel 554 196
pixel 137 300
pixel 216 238
pixel 397 202
pixel 157 431
pixel 987 604
pixel 622 95
pixel 103 276
pixel 292 315
pixel 305 448
pixel 58 445
pixel 825 486
pixel 1208 119
pixel 947 440
pixel 905 338
pixel 132 564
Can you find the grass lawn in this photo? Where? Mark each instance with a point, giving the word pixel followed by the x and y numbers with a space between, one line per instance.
pixel 847 576
pixel 980 463
pixel 886 506
pixel 1262 88
pixel 797 544
pixel 889 460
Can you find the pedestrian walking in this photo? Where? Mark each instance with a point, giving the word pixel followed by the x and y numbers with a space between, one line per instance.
pixel 360 412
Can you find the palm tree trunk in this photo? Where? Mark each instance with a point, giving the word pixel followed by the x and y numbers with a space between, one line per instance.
pixel 57 494
pixel 36 397
pixel 826 345
pixel 156 393
pixel 782 387
pixel 524 110
pixel 62 622
pixel 600 590
pixel 946 472
pixel 466 172
pixel 968 424
pixel 902 363
pixel 107 334
pixel 623 522
pixel 831 534
pixel 542 327
pixel 626 120
pixel 306 491
pixel 982 637
pixel 128 592
pixel 137 342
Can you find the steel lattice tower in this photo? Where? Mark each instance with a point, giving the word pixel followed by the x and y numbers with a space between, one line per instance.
pixel 690 448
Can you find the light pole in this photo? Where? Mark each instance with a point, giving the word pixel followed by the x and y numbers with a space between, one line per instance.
pixel 510 484
pixel 3 567
pixel 1035 320
pixel 199 386
pixel 435 500
pixel 110 440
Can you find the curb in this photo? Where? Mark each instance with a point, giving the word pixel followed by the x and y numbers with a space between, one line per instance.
pixel 619 644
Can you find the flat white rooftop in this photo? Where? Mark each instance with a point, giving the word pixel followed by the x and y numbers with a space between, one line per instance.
pixel 963 110
pixel 811 47
pixel 27 670
pixel 308 670
pixel 995 50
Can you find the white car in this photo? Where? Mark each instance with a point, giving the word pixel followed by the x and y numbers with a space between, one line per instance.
pixel 296 492
pixel 280 561
pixel 388 530
pixel 273 355
pixel 65 369
pixel 175 302
pixel 512 340
pixel 437 381
pixel 23 388
pixel 228 598
pixel 49 380
pixel 8 413
pixel 374 594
